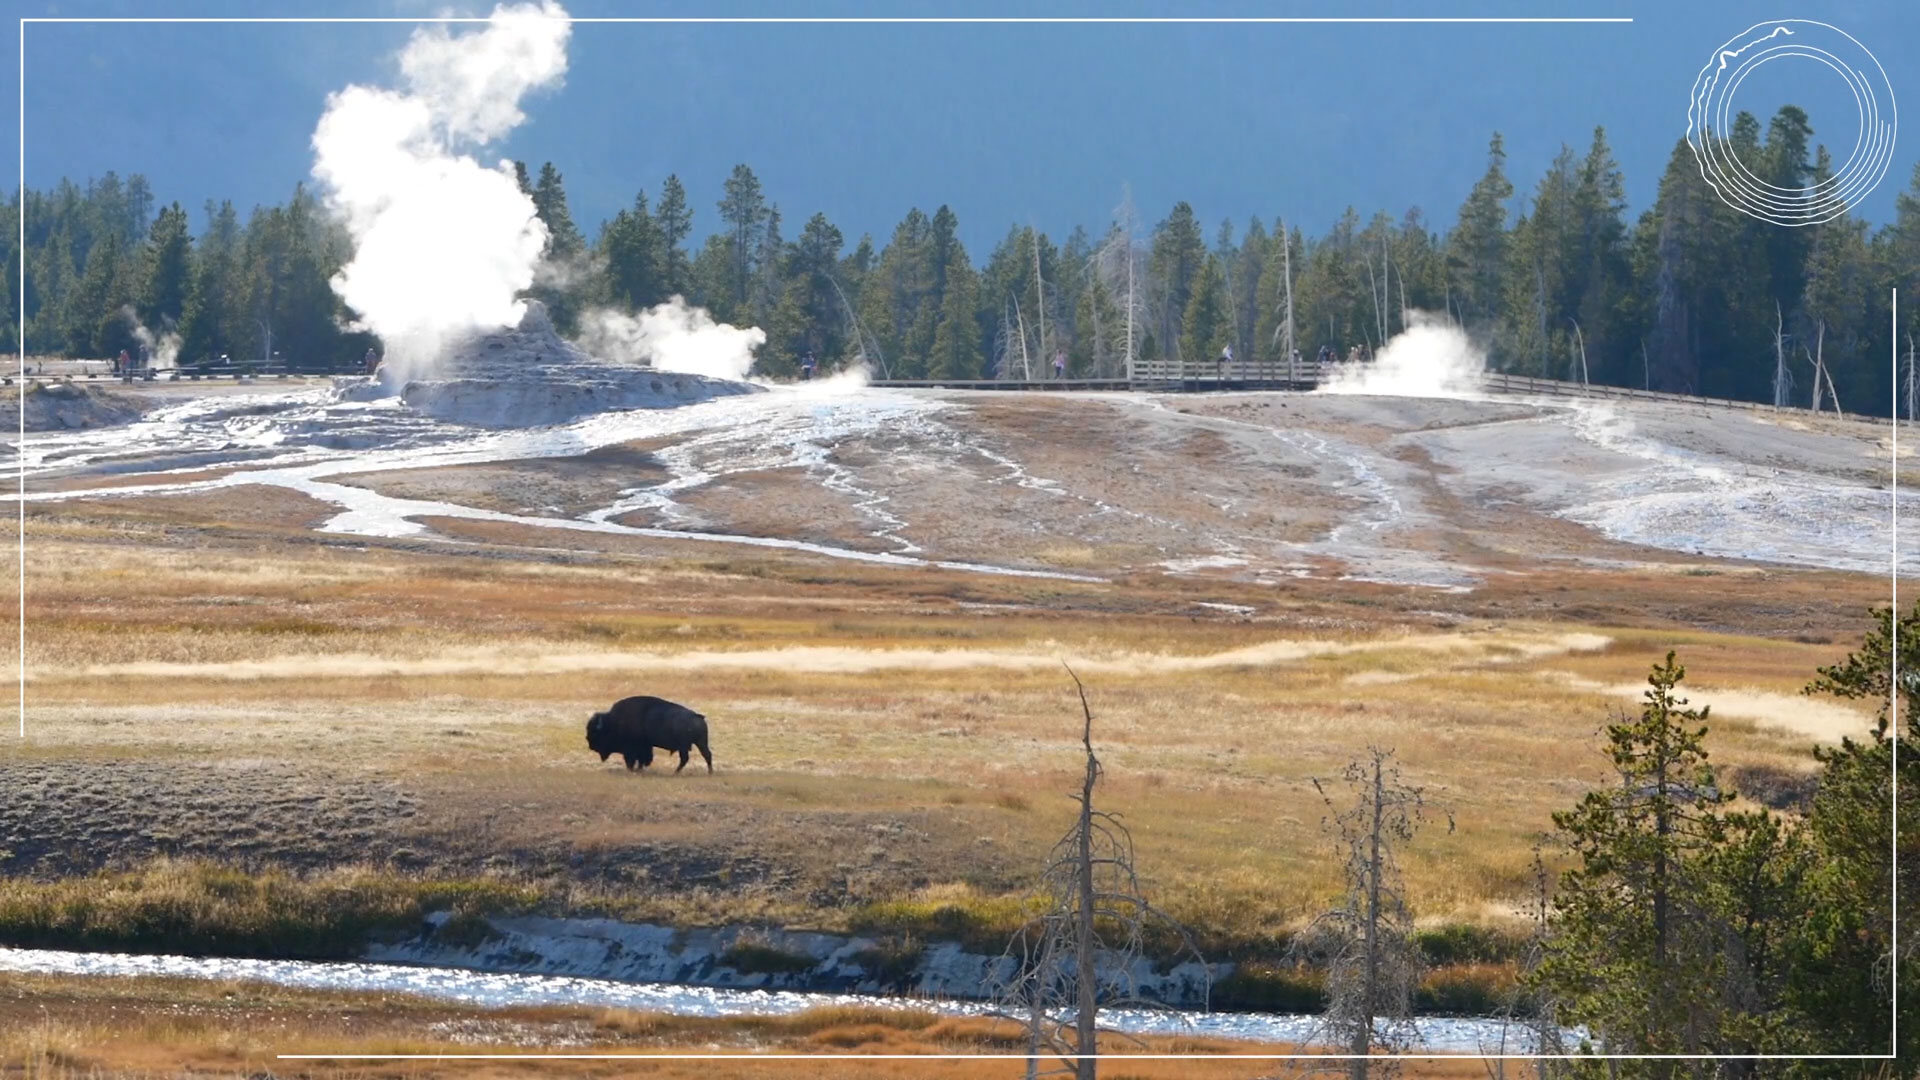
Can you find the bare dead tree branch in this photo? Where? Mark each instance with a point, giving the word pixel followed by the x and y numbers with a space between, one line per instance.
pixel 1092 925
pixel 1366 944
pixel 1581 339
pixel 1913 383
pixel 860 331
pixel 1780 376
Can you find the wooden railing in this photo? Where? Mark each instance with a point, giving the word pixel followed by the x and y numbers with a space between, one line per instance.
pixel 1280 375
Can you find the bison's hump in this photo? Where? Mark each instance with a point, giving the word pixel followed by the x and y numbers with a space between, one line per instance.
pixel 651 708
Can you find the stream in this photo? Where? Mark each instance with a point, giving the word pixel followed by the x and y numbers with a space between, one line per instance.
pixel 500 990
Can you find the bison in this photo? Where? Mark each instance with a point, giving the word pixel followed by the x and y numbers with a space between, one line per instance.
pixel 635 725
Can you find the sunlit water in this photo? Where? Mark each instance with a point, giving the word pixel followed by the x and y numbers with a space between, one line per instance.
pixel 307 441
pixel 493 990
pixel 302 440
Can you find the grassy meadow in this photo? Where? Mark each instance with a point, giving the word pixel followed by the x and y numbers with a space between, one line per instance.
pixel 894 748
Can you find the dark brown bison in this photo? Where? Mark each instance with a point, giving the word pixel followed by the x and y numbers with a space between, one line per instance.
pixel 635 725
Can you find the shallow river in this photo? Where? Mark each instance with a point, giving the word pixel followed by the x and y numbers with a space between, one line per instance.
pixel 488 990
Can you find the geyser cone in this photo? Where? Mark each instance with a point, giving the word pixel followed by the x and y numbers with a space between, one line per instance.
pixel 529 376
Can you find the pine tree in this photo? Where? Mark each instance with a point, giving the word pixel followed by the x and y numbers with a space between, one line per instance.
pixel 875 305
pixel 901 304
pixel 674 218
pixel 50 278
pixel 550 204
pixel 943 240
pixel 138 210
pixel 854 273
pixel 1843 957
pixel 1173 263
pixel 10 277
pixel 1538 303
pixel 631 252
pixel 1206 325
pixel 563 288
pixel 1839 315
pixel 208 325
pixel 1476 251
pixel 305 309
pixel 810 281
pixel 744 211
pixel 92 307
pixel 956 339
pixel 166 269
pixel 1249 269
pixel 768 283
pixel 1669 929
pixel 1600 271
pixel 1685 299
pixel 1329 290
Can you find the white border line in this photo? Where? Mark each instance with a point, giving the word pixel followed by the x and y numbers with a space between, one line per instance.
pixel 886 19
pixel 20 330
pixel 20 456
pixel 748 1055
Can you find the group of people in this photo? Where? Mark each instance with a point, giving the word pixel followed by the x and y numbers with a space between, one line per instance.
pixel 1357 354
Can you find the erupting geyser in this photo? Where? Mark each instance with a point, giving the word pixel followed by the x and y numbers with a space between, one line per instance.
pixel 445 247
pixel 1431 357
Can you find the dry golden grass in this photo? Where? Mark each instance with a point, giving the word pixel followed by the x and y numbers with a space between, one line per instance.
pixel 210 678
pixel 56 1028
pixel 880 733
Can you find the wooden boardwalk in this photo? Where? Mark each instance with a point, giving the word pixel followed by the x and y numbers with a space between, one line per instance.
pixel 1167 378
pixel 1156 376
pixel 1147 377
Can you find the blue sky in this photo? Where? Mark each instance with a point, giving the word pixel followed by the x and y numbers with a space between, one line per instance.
pixel 1006 124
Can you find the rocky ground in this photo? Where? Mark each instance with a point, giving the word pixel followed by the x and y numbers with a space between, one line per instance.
pixel 1436 493
pixel 286 629
pixel 66 406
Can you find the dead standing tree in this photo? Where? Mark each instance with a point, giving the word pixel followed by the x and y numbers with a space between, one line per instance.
pixel 1782 378
pixel 1117 265
pixel 1913 383
pixel 1286 278
pixel 1366 944
pixel 1079 953
pixel 868 346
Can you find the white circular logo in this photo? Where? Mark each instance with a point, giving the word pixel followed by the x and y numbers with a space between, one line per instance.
pixel 1708 122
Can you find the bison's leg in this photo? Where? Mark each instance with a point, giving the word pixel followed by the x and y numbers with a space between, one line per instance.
pixel 683 761
pixel 705 754
pixel 629 760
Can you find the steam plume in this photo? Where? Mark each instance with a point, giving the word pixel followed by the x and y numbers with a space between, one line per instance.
pixel 442 243
pixel 163 349
pixel 1430 358
pixel 673 336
